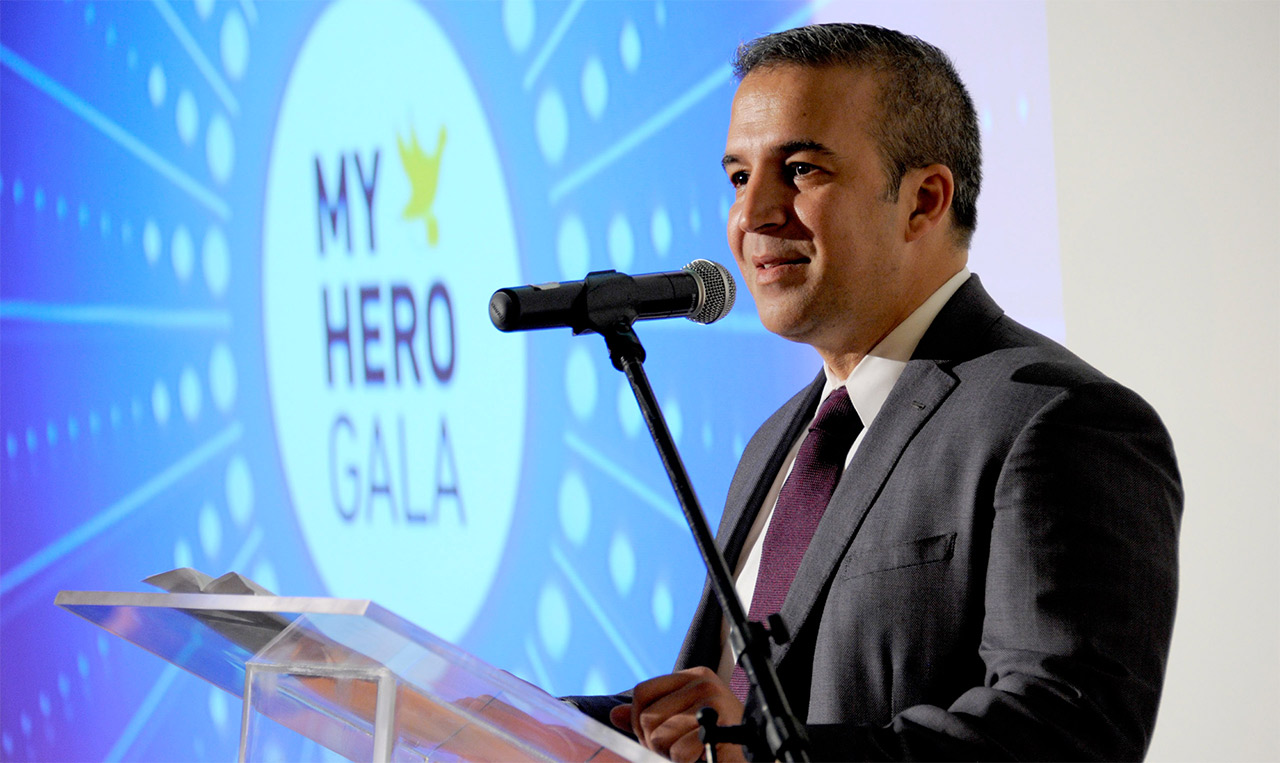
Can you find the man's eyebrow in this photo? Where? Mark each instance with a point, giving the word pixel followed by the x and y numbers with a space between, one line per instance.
pixel 796 146
pixel 789 148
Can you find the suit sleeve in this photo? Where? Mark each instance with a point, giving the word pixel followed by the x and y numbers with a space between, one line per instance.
pixel 598 706
pixel 1079 597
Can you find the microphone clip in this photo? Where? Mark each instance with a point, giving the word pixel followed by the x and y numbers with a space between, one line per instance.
pixel 606 311
pixel 603 304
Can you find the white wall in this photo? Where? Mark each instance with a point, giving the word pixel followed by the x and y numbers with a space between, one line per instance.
pixel 1167 142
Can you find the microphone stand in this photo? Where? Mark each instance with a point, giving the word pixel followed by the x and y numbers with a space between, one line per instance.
pixel 772 732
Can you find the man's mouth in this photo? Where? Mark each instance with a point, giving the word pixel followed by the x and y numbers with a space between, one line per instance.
pixel 769 263
pixel 776 270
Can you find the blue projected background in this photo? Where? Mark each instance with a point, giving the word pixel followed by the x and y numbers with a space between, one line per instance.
pixel 247 255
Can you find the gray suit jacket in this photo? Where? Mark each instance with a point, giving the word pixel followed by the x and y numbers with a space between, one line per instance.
pixel 996 573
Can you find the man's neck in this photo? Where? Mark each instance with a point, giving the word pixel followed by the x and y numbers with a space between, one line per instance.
pixel 899 340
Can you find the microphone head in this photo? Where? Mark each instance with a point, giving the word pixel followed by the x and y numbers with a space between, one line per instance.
pixel 504 311
pixel 718 290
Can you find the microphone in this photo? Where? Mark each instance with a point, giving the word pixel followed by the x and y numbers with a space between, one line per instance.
pixel 703 292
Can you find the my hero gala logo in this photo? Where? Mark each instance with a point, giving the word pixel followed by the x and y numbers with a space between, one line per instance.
pixel 386 227
pixel 375 335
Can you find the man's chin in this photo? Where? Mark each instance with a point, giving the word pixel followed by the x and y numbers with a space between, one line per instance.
pixel 785 324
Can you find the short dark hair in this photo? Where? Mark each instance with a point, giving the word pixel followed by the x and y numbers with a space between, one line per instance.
pixel 926 114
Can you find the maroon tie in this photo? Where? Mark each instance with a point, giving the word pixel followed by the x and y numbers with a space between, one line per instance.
pixel 801 502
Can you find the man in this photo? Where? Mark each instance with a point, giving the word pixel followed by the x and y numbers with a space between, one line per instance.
pixel 994 574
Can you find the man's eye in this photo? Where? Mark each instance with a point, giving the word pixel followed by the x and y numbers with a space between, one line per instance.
pixel 738 179
pixel 800 169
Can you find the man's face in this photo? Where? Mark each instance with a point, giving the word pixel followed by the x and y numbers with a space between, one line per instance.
pixel 818 246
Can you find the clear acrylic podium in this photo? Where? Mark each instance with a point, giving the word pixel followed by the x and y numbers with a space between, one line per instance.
pixel 353 677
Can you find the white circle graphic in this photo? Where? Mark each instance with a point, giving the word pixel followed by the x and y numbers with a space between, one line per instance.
pixel 552 125
pixel 629 46
pixel 575 508
pixel 622 244
pixel 156 85
pixel 518 19
pixel 399 410
pixel 187 116
pixel 234 44
pixel 595 87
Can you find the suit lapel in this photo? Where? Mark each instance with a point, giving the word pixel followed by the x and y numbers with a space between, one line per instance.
pixel 755 475
pixel 764 458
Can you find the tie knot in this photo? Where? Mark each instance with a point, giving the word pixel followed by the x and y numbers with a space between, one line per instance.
pixel 836 426
pixel 836 413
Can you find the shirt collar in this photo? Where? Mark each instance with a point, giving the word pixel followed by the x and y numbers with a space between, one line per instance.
pixel 871 381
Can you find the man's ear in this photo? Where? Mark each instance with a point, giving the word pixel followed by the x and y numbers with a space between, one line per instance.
pixel 932 188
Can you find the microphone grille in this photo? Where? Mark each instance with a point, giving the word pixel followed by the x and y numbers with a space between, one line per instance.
pixel 718 290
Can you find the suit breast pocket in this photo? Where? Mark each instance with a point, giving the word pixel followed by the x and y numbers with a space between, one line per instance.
pixel 913 553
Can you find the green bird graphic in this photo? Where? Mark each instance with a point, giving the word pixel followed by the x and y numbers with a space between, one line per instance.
pixel 423 171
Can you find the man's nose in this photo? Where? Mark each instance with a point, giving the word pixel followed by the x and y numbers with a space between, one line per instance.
pixel 763 205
